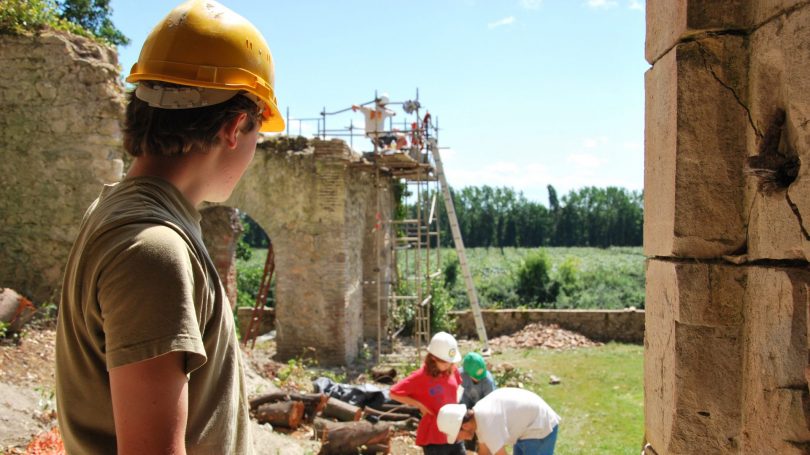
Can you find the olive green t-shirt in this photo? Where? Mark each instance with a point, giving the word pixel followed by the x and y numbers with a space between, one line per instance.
pixel 139 283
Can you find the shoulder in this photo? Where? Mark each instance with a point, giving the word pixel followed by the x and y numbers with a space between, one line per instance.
pixel 152 246
pixel 414 379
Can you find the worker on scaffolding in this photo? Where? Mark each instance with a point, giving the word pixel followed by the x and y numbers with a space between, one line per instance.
pixel 375 122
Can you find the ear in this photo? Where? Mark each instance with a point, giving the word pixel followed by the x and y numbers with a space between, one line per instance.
pixel 231 129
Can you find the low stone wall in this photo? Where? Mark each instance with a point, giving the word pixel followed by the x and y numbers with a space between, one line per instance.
pixel 244 314
pixel 601 325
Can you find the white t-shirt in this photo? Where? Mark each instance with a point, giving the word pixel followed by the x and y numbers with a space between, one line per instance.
pixel 375 119
pixel 509 414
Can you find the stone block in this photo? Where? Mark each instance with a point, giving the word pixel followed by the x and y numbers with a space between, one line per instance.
pixel 774 232
pixel 775 391
pixel 693 357
pixel 779 64
pixel 762 11
pixel 670 21
pixel 695 150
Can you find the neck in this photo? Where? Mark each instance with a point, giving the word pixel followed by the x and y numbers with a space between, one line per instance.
pixel 182 171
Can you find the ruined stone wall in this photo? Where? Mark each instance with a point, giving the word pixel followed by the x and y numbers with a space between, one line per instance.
pixel 727 144
pixel 60 140
pixel 61 107
pixel 602 325
pixel 314 205
pixel 221 230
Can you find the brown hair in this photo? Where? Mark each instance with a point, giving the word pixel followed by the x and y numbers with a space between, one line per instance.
pixel 468 416
pixel 433 369
pixel 155 131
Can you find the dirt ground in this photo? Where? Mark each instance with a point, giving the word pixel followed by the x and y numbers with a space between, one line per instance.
pixel 28 406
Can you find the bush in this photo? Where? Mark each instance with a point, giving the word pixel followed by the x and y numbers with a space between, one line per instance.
pixel 249 275
pixel 534 285
pixel 243 250
pixel 79 17
pixel 451 268
pixel 567 275
pixel 441 305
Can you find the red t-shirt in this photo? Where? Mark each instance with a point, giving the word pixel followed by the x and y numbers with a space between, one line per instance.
pixel 433 393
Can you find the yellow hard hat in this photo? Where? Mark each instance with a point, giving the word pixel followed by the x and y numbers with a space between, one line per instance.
pixel 203 44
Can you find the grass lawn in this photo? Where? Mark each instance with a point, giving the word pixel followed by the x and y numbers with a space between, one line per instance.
pixel 600 398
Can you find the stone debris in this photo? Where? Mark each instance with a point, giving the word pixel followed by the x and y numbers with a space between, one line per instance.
pixel 15 310
pixel 537 335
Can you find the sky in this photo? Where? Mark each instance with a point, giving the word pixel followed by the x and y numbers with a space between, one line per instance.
pixel 527 93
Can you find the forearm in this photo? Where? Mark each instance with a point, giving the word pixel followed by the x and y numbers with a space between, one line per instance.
pixel 484 450
pixel 407 400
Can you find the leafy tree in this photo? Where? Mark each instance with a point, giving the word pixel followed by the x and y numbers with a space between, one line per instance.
pixel 89 18
pixel 534 284
pixel 93 16
pixel 252 233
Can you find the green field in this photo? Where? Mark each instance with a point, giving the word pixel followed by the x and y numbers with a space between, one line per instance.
pixel 604 278
pixel 600 397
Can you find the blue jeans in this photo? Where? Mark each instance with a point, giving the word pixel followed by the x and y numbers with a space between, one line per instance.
pixel 543 446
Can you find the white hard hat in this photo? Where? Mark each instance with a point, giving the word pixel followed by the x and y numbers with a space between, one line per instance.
pixel 445 347
pixel 383 99
pixel 449 420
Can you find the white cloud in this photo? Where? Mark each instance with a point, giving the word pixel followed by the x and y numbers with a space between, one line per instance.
pixel 501 22
pixel 531 4
pixel 593 142
pixel 636 5
pixel 601 4
pixel 520 176
pixel 585 160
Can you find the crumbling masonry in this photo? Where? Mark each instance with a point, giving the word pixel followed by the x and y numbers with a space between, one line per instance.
pixel 727 215
pixel 61 104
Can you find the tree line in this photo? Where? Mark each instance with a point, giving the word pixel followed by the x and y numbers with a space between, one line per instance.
pixel 501 217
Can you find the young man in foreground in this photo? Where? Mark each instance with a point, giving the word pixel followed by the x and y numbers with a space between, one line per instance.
pixel 507 416
pixel 147 356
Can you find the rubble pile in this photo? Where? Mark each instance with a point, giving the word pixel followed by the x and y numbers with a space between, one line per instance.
pixel 539 335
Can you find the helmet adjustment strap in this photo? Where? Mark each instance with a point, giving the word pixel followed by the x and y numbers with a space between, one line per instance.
pixel 165 97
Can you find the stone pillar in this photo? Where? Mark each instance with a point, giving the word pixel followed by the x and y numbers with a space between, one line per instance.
pixel 221 230
pixel 314 204
pixel 726 339
pixel 60 139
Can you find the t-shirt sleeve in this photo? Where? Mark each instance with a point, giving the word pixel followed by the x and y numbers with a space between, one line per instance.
pixel 406 386
pixel 489 384
pixel 146 295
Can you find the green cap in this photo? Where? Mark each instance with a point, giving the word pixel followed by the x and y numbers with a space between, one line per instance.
pixel 475 366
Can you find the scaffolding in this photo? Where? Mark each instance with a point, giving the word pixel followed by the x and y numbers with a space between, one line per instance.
pixel 416 248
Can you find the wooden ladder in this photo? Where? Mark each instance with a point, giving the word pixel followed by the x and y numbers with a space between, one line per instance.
pixel 462 255
pixel 261 299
